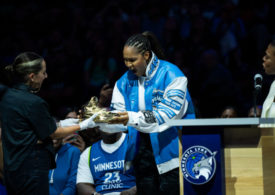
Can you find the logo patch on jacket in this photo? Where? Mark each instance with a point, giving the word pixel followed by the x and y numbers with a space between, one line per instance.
pixel 157 97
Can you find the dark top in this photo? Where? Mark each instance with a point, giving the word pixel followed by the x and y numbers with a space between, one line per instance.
pixel 2 89
pixel 25 120
pixel 144 161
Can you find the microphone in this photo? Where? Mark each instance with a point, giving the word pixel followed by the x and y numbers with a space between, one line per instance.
pixel 258 79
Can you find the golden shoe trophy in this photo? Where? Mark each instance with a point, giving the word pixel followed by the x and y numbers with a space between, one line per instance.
pixel 104 116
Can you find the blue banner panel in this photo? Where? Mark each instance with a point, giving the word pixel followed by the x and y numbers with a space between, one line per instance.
pixel 201 164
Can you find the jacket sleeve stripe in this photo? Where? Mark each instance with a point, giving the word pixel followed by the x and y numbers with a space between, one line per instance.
pixel 158 117
pixel 169 113
pixel 176 92
pixel 172 104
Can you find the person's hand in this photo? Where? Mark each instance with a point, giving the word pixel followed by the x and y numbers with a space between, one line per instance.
pixel 88 123
pixel 123 118
pixel 105 96
pixel 131 191
pixel 75 140
pixel 68 122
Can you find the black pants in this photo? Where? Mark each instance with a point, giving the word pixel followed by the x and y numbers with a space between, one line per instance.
pixel 32 176
pixel 148 180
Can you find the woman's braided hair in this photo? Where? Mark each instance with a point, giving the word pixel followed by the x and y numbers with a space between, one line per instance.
pixel 146 41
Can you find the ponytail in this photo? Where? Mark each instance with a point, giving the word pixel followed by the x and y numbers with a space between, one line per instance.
pixel 7 75
pixel 155 44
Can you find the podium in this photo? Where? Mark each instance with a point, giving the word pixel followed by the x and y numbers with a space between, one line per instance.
pixel 246 156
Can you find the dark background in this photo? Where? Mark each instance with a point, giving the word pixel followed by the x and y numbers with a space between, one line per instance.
pixel 218 44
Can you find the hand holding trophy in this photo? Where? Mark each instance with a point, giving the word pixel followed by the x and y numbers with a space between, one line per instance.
pixel 104 116
pixel 120 118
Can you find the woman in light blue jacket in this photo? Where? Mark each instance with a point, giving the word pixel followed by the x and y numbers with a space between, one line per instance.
pixel 149 94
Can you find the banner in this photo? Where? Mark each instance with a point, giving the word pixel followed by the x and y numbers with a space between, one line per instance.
pixel 201 163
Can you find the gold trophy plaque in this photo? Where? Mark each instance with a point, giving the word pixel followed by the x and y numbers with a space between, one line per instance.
pixel 104 116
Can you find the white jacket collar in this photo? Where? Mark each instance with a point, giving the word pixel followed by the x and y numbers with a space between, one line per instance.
pixel 152 66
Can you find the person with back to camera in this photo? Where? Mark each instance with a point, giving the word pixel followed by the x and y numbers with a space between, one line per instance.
pixel 28 128
pixel 268 109
pixel 151 92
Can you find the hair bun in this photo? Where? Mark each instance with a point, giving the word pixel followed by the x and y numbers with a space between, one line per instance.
pixel 9 68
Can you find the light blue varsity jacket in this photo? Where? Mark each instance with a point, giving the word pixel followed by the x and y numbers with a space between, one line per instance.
pixel 150 102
